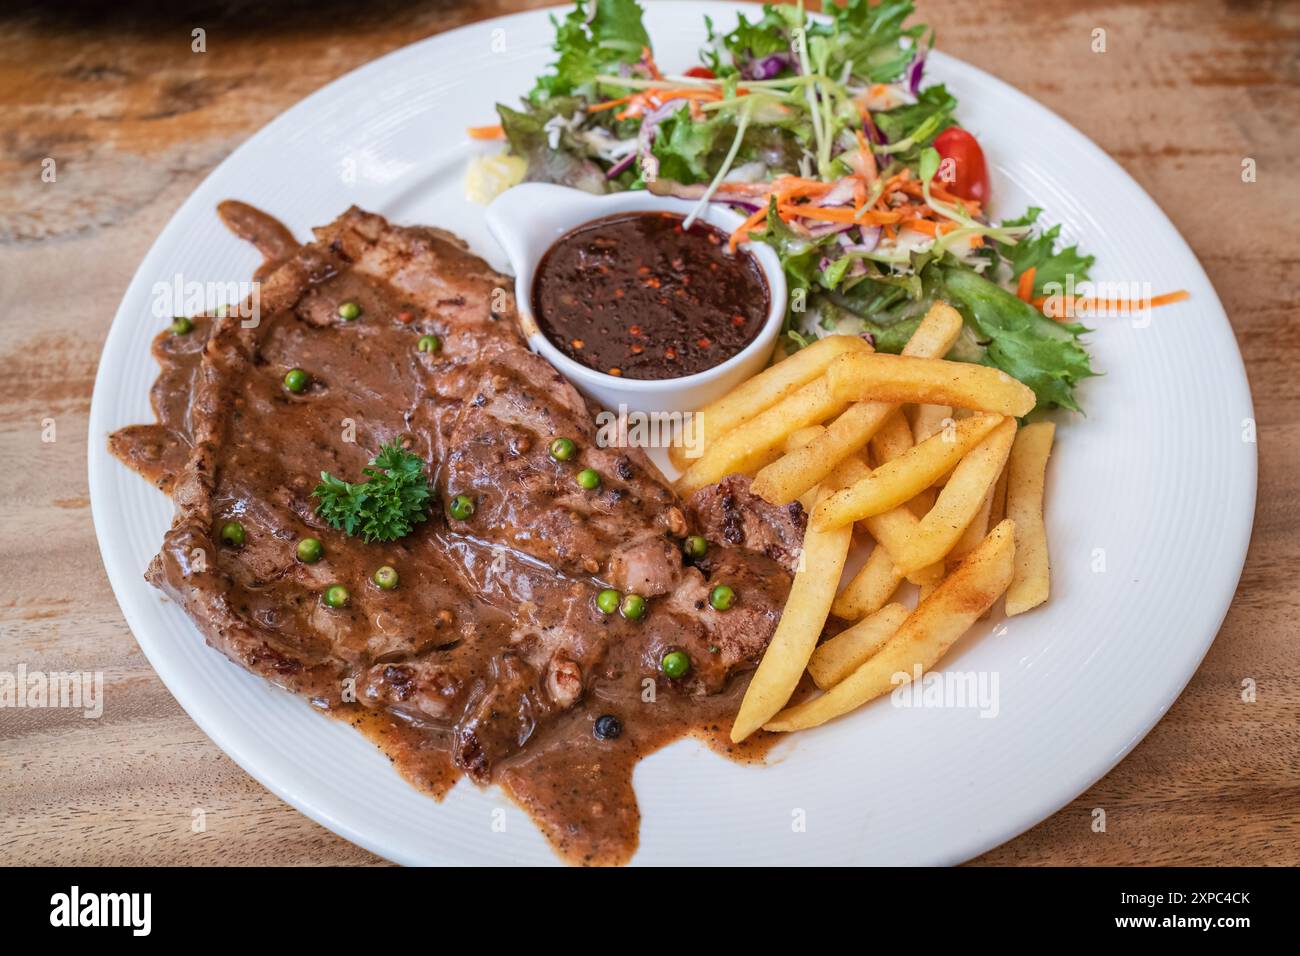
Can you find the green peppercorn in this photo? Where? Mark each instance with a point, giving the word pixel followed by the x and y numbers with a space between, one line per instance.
pixel 336 595
pixel 232 532
pixel 310 550
pixel 676 664
pixel 349 311
pixel 461 507
pixel 589 478
pixel 296 380
pixel 385 577
pixel 632 607
pixel 607 601
pixel 429 343
pixel 562 449
pixel 721 597
pixel 181 325
pixel 695 547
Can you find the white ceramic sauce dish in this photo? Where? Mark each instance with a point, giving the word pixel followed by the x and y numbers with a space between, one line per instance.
pixel 528 219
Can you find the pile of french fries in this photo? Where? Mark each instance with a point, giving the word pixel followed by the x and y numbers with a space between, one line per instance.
pixel 923 455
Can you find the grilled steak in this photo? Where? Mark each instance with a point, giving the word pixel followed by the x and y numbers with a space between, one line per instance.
pixel 492 641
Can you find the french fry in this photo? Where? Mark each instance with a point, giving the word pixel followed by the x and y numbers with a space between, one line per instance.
pixel 740 449
pixel 1026 468
pixel 893 438
pixel 998 506
pixel 924 636
pixel 960 501
pixel 800 627
pixel 892 530
pixel 766 389
pixel 929 420
pixel 870 589
pixel 792 441
pixel 871 377
pixel 797 439
pixel 842 654
pixel 923 502
pixel 787 478
pixel 904 477
pixel 895 527
pixel 975 531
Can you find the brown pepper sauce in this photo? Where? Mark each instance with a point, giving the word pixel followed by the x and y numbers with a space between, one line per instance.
pixel 575 787
pixel 638 296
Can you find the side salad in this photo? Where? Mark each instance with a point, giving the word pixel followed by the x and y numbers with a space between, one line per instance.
pixel 820 130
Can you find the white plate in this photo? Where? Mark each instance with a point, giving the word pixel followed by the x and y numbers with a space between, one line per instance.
pixel 1157 482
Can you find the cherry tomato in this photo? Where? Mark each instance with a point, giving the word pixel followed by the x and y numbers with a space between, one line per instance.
pixel 971 174
pixel 701 72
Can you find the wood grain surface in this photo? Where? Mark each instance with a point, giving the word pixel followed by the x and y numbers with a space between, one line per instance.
pixel 1184 93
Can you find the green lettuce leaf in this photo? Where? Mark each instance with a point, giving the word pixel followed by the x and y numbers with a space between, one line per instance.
pixel 1050 264
pixel 616 35
pixel 800 255
pixel 868 36
pixel 1020 340
pixel 752 40
pixel 526 132
pixel 690 151
pixel 919 122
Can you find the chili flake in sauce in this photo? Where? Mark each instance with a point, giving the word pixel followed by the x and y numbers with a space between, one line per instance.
pixel 636 295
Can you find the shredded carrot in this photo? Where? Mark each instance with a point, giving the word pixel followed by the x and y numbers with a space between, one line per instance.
pixel 486 132
pixel 649 62
pixel 1083 303
pixel 1025 287
pixel 869 170
pixel 608 104
pixel 793 187
pixel 928 226
pixel 836 214
pixel 742 231
pixel 654 98
pixel 941 194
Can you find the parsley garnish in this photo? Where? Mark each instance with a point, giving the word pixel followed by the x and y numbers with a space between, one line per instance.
pixel 386 506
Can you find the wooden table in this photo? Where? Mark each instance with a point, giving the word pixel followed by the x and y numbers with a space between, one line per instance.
pixel 134 120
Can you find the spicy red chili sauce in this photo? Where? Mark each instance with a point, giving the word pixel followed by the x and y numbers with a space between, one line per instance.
pixel 637 295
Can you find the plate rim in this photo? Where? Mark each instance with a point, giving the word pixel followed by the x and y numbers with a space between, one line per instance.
pixel 1055 796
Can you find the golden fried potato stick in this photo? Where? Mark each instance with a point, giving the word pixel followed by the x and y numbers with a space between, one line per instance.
pixel 870 589
pixel 749 442
pixel 893 439
pixel 787 478
pixel 766 389
pixel 998 506
pixel 802 437
pixel 1025 477
pixel 975 531
pixel 897 481
pixel 844 653
pixel 891 529
pixel 871 377
pixel 922 640
pixel 929 420
pixel 960 501
pixel 800 627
